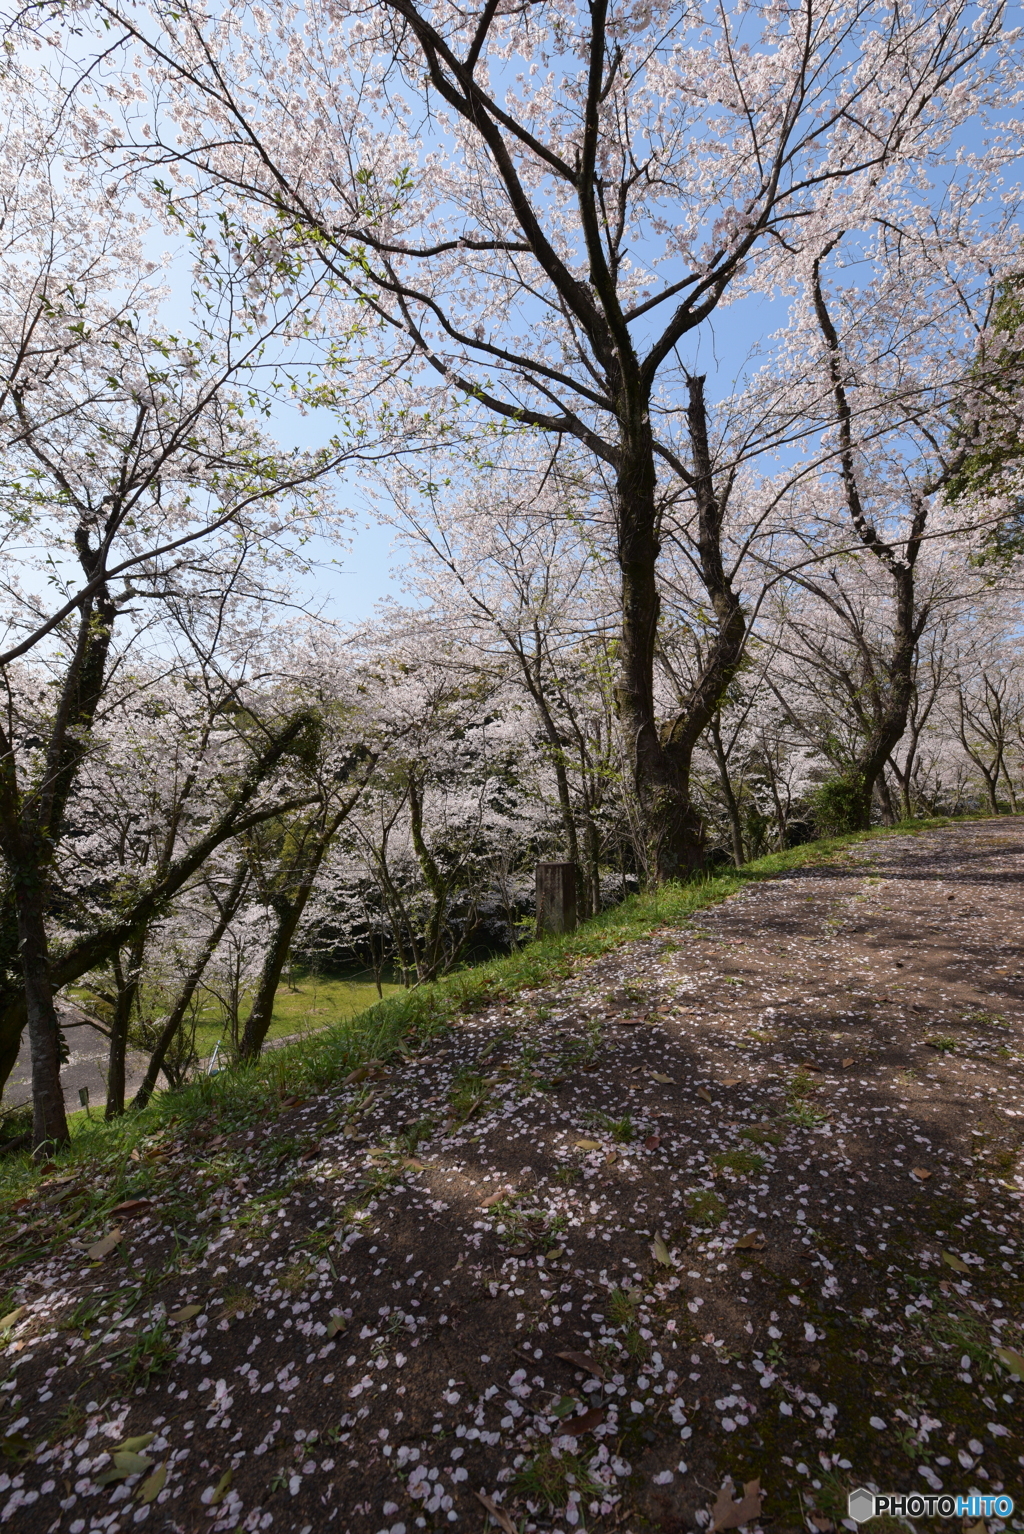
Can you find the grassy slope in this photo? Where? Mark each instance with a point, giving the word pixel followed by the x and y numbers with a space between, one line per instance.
pixel 245 1094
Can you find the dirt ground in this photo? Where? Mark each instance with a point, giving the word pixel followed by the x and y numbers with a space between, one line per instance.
pixel 738 1205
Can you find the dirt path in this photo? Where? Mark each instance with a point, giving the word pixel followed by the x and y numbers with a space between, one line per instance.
pixel 741 1200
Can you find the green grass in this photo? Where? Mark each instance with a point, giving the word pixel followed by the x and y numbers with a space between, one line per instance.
pixel 314 1002
pixel 402 1022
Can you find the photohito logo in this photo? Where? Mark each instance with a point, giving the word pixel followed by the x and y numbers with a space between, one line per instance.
pixel 863 1504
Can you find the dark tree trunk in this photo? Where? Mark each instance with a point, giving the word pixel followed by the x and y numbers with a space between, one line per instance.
pixel 663 757
pixel 49 1119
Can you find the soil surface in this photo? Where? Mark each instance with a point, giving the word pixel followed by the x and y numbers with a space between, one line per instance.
pixel 737 1206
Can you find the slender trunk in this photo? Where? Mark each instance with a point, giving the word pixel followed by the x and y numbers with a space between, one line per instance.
pixel 257 1024
pixel 192 979
pixel 128 982
pixel 735 823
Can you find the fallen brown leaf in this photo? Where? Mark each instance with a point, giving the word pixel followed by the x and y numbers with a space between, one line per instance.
pixel 105 1245
pixel 132 1206
pixel 500 1517
pixel 704 1093
pixel 587 1145
pixel 848 1063
pixel 921 1173
pixel 749 1243
pixel 734 1081
pixel 652 1142
pixel 727 1514
pixel 583 1361
pixel 495 1198
pixel 585 1424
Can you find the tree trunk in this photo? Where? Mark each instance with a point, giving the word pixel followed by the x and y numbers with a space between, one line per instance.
pixel 49 1119
pixel 192 979
pixel 127 982
pixel 257 1024
pixel 662 758
pixel 735 823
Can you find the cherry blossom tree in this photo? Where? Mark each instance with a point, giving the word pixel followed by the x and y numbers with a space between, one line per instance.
pixel 540 208
pixel 133 484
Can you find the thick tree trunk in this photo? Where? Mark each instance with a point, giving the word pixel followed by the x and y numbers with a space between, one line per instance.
pixel 49 1119
pixel 662 757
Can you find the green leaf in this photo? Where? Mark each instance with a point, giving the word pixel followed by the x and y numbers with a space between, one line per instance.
pixel 954 1262
pixel 153 1485
pixel 222 1488
pixel 185 1313
pixel 126 1463
pixel 659 1251
pixel 135 1445
pixel 335 1325
pixel 1011 1360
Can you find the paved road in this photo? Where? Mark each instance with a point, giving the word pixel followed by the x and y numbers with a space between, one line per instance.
pixel 87 1066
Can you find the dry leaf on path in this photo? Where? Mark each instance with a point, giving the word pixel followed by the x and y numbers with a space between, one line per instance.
pixel 611 1158
pixel 587 1145
pixel 583 1361
pixel 132 1206
pixel 555 1253
pixel 734 1081
pixel 921 1173
pixel 105 1246
pixel 652 1142
pixel 659 1251
pixel 500 1517
pixel 952 1261
pixel 749 1243
pixel 412 1165
pixel 12 1318
pixel 586 1423
pixel 847 1064
pixel 703 1092
pixel 495 1198
pixel 659 1076
pixel 727 1514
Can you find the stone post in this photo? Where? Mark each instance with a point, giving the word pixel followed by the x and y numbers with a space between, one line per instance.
pixel 556 899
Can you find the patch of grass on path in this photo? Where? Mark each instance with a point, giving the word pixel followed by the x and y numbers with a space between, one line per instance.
pixel 245 1095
